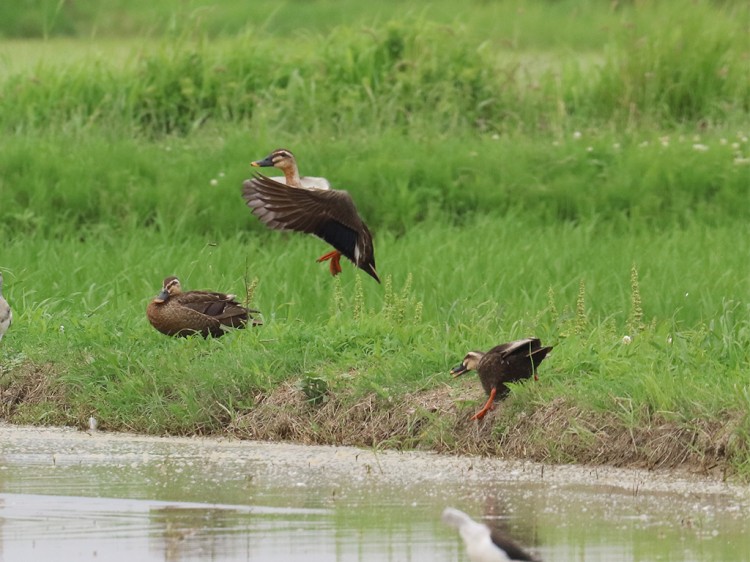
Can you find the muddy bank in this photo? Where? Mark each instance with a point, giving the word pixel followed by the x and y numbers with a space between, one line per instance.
pixel 438 420
pixel 60 446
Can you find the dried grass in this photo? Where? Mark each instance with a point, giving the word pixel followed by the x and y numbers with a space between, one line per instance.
pixel 30 384
pixel 285 414
pixel 439 419
pixel 557 432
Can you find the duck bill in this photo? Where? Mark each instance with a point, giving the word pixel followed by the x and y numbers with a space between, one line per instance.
pixel 162 297
pixel 458 370
pixel 267 162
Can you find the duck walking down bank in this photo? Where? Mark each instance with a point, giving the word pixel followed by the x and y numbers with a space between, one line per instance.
pixel 6 314
pixel 507 362
pixel 307 204
pixel 482 543
pixel 175 313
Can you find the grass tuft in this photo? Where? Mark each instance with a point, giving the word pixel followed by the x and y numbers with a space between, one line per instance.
pixel 635 320
pixel 581 320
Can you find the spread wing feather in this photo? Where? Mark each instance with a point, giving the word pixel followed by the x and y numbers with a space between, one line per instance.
pixel 328 214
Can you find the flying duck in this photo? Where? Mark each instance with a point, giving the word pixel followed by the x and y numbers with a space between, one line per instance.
pixel 309 205
pixel 6 314
pixel 508 362
pixel 175 313
pixel 482 543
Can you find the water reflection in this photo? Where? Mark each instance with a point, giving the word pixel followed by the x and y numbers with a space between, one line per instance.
pixel 67 496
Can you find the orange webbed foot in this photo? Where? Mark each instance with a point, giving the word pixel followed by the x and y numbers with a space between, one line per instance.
pixel 335 258
pixel 487 407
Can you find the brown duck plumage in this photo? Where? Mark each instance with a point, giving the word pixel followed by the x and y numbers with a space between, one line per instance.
pixel 175 313
pixel 507 362
pixel 329 214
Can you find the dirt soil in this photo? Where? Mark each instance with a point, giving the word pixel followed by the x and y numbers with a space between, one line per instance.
pixel 387 466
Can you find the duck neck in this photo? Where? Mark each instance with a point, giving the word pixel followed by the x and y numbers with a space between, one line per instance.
pixel 291 173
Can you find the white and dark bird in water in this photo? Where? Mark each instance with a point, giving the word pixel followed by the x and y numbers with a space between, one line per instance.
pixel 482 543
pixel 308 205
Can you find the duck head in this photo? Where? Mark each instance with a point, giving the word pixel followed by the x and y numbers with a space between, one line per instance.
pixel 280 158
pixel 171 288
pixel 469 363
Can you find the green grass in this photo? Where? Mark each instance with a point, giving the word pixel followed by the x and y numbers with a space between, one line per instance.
pixel 403 75
pixel 513 188
pixel 57 182
pixel 525 25
pixel 80 306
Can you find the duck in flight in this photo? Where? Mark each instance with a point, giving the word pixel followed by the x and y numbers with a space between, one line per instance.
pixel 308 204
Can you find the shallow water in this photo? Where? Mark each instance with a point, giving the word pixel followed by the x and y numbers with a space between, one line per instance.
pixel 67 495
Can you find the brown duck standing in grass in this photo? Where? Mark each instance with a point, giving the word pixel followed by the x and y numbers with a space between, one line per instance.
pixel 175 313
pixel 307 204
pixel 507 362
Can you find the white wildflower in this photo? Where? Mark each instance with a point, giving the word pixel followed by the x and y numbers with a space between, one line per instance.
pixel 626 340
pixel 221 174
pixel 214 182
pixel 495 136
pixel 61 329
pixel 589 149
pixel 669 340
pixel 576 135
pixel 616 146
pixel 700 147
pixel 723 142
pixel 739 161
pixel 735 145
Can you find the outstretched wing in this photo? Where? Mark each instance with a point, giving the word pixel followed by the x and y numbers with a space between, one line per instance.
pixel 326 213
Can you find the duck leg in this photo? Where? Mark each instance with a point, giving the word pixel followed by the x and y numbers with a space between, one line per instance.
pixel 335 265
pixel 487 407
